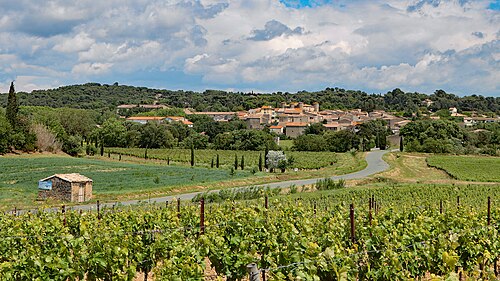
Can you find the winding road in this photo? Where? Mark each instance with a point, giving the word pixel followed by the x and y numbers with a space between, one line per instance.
pixel 373 158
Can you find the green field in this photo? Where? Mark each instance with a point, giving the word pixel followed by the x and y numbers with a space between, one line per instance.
pixel 303 159
pixel 468 168
pixel 20 175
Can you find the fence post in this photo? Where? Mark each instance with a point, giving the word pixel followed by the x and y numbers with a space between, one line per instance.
pixel 315 208
pixel 458 202
pixel 202 216
pixel 370 214
pixel 98 211
pixel 179 208
pixel 489 210
pixel 266 202
pixel 253 272
pixel 353 229
pixel 263 274
pixel 63 211
pixel 440 206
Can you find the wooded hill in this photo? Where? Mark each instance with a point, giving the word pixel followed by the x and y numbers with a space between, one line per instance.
pixel 97 96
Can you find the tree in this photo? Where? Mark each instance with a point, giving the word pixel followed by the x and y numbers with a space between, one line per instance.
pixel 154 135
pixel 236 162
pixel 5 131
pixel 12 107
pixel 401 145
pixel 275 159
pixel 192 156
pixel 242 164
pixel 310 143
pixel 265 156
pixel 217 162
pixel 315 129
pixel 260 162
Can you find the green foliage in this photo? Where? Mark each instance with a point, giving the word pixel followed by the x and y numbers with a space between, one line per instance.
pixel 329 184
pixel 5 132
pixel 244 140
pixel 199 141
pixel 314 129
pixel 310 143
pixel 154 135
pixel 434 136
pixel 12 107
pixel 248 193
pixel 72 145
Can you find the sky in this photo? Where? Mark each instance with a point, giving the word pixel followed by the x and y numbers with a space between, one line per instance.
pixel 253 45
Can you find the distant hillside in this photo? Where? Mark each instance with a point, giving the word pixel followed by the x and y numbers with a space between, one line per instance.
pixel 97 96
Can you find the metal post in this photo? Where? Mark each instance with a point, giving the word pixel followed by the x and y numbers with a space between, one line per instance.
pixel 202 216
pixel 253 272
pixel 353 229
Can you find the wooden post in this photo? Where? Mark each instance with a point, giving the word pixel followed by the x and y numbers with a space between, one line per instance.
pixel 353 229
pixel 202 216
pixel 266 202
pixel 63 211
pixel 263 274
pixel 458 202
pixel 179 208
pixel 253 272
pixel 370 214
pixel 489 210
pixel 98 211
pixel 315 208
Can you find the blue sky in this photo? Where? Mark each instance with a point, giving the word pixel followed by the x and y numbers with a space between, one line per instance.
pixel 254 45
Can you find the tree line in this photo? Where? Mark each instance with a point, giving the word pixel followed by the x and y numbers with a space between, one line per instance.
pixel 97 96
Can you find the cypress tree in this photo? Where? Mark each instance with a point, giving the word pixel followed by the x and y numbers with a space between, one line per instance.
pixel 260 162
pixel 217 162
pixel 242 165
pixel 401 145
pixel 265 157
pixel 102 148
pixel 146 153
pixel 212 164
pixel 236 162
pixel 192 155
pixel 12 107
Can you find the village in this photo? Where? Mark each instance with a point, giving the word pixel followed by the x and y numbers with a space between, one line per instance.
pixel 290 119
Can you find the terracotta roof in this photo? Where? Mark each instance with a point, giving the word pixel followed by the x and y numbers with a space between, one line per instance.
pixel 146 118
pixel 74 177
pixel 266 107
pixel 176 118
pixel 332 125
pixel 214 113
pixel 276 127
pixel 297 124
pixel 187 122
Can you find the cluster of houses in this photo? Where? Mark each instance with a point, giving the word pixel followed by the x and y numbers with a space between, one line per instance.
pixel 289 119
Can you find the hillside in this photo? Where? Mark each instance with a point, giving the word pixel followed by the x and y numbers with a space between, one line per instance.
pixel 97 96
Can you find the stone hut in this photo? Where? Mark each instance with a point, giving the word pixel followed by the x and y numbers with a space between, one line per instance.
pixel 65 187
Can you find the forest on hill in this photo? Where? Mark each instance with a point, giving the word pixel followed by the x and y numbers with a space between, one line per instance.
pixel 97 96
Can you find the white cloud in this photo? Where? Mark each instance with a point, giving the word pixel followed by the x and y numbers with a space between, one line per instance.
pixel 374 45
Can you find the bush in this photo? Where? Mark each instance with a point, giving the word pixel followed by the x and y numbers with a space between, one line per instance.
pixel 72 145
pixel 329 184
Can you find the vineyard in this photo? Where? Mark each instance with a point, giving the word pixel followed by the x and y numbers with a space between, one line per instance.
pixel 388 233
pixel 302 159
pixel 468 168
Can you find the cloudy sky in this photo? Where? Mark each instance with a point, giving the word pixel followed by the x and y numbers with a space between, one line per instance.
pixel 260 45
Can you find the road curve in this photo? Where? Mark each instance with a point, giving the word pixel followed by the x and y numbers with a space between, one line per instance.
pixel 373 158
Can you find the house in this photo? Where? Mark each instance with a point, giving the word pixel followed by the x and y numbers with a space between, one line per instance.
pixel 65 187
pixel 145 119
pixel 278 129
pixel 334 126
pixel 295 129
pixel 218 116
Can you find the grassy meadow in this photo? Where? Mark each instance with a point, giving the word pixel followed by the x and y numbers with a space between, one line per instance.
pixel 468 168
pixel 20 175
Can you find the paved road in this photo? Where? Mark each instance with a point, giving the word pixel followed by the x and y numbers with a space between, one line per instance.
pixel 373 158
